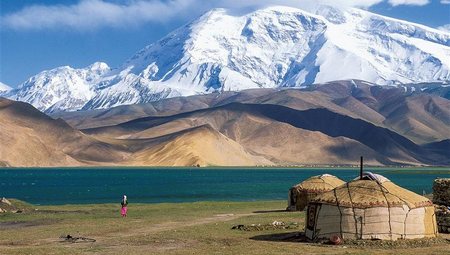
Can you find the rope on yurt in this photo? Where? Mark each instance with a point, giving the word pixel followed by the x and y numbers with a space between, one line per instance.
pixel 404 222
pixel 403 200
pixel 388 206
pixel 323 181
pixel 340 213
pixel 406 217
pixel 353 209
pixel 315 231
pixel 362 229
pixel 407 213
pixel 434 222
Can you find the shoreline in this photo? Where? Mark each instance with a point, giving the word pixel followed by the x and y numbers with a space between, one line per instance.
pixel 237 168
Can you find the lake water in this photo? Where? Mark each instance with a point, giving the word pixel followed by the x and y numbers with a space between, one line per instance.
pixel 77 186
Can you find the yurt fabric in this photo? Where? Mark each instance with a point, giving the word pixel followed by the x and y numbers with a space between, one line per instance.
pixel 370 208
pixel 300 194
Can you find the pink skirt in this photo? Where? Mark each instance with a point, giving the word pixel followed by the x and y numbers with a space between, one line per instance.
pixel 124 211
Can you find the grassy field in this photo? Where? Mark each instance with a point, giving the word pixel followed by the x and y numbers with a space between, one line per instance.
pixel 183 228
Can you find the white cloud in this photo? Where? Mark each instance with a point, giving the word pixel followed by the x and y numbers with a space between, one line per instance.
pixel 445 1
pixel 409 2
pixel 445 28
pixel 90 15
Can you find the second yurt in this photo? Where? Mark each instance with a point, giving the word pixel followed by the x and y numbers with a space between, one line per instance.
pixel 371 207
pixel 300 194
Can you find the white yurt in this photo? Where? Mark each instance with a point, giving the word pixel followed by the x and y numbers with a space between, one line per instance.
pixel 371 207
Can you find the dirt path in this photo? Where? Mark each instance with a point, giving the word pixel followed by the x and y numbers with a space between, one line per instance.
pixel 160 245
pixel 171 225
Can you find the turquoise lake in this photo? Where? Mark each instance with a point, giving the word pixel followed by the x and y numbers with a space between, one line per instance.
pixel 78 186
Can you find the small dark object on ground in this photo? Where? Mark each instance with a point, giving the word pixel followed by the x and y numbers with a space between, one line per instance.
pixel 260 227
pixel 240 227
pixel 336 240
pixel 273 211
pixel 282 237
pixel 79 239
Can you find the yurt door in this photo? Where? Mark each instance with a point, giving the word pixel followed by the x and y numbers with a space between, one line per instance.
pixel 292 198
pixel 311 216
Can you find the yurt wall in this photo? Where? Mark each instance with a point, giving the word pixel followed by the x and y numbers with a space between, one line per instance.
pixel 369 209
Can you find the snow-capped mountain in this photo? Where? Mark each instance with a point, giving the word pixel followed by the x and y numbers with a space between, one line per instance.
pixel 62 88
pixel 4 87
pixel 271 47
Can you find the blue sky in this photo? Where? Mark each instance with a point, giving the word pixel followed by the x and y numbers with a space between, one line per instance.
pixel 42 34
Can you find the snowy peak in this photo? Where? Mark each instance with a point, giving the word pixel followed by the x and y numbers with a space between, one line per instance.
pixel 4 87
pixel 384 25
pixel 331 14
pixel 282 46
pixel 222 51
pixel 268 48
pixel 62 88
pixel 99 68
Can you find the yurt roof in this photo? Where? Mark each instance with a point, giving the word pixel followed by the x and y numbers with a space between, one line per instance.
pixel 319 183
pixel 371 176
pixel 367 193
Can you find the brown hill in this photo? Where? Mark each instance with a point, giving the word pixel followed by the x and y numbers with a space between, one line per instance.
pixel 199 146
pixel 31 138
pixel 286 135
pixel 280 142
pixel 425 118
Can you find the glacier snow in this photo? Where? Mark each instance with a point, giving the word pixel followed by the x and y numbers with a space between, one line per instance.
pixel 4 87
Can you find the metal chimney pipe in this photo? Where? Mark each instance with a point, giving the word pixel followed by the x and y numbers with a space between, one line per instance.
pixel 361 169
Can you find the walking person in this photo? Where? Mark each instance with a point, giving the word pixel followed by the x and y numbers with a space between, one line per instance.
pixel 124 204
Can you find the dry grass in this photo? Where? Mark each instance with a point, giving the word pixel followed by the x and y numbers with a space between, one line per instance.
pixel 184 228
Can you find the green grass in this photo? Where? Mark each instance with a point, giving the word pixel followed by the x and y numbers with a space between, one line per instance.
pixel 182 228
